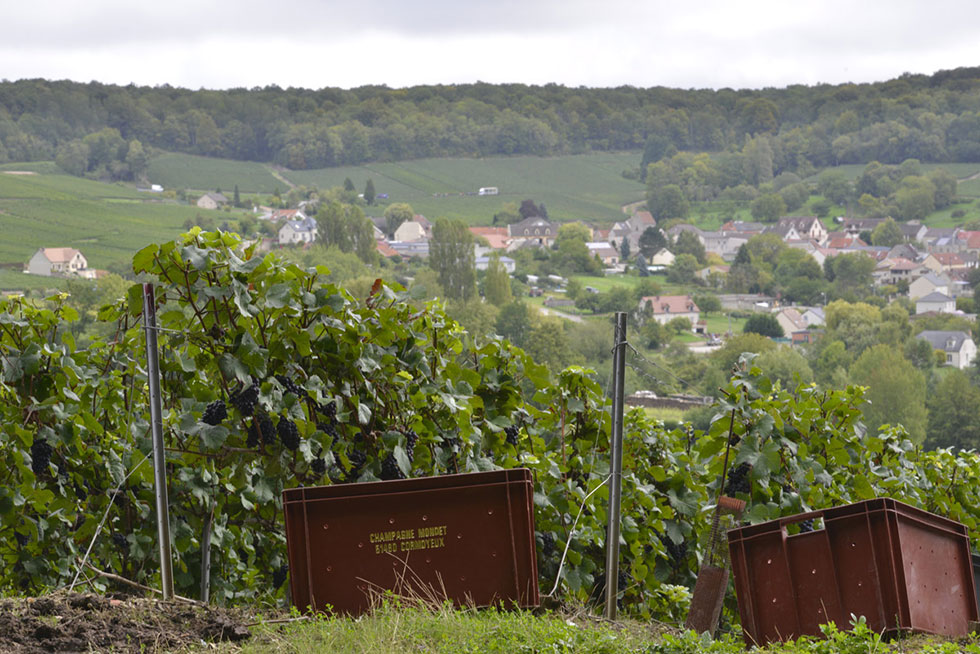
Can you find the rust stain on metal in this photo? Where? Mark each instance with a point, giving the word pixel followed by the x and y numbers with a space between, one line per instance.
pixel 468 538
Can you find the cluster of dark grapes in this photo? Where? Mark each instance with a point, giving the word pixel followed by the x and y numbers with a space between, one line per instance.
pixel 327 429
pixel 40 455
pixel 390 469
pixel 738 480
pixel 246 399
pixel 288 433
pixel 318 466
pixel 599 591
pixel 806 525
pixel 215 413
pixel 411 438
pixel 512 433
pixel 279 576
pixel 262 429
pixel 329 411
pixel 290 386
pixel 120 541
pixel 547 544
pixel 677 553
pixel 357 460
pixel 22 539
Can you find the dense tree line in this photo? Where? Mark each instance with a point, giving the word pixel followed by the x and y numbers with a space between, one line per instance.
pixel 932 118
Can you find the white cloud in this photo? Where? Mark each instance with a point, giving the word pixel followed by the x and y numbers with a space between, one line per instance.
pixel 309 43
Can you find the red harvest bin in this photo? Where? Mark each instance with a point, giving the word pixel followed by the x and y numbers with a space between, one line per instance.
pixel 900 567
pixel 468 538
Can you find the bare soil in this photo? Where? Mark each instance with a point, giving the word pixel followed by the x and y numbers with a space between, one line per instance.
pixel 81 622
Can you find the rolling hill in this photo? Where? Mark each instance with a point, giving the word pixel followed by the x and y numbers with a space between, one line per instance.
pixel 107 222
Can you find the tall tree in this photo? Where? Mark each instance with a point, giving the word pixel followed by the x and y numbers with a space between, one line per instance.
pixel 887 233
pixel 852 274
pixel 572 252
pixel 768 207
pixel 688 243
pixel 497 284
pixel 651 241
pixel 346 227
pixel 896 390
pixel 530 210
pixel 953 417
pixel 764 324
pixel 514 323
pixel 451 255
pixel 369 192
pixel 666 202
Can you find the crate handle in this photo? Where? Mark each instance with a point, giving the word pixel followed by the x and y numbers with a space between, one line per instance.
pixel 799 517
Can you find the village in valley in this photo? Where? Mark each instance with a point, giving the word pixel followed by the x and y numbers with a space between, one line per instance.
pixel 931 266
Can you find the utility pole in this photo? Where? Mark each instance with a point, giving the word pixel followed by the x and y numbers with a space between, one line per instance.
pixel 616 466
pixel 159 454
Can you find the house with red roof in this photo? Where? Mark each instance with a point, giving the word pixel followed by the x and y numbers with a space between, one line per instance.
pixel 943 261
pixel 664 308
pixel 58 262
pixel 497 237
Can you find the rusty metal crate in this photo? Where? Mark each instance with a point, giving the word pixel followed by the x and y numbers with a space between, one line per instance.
pixel 900 567
pixel 468 538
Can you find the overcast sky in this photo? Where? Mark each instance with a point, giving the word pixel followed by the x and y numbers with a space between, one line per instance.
pixel 320 43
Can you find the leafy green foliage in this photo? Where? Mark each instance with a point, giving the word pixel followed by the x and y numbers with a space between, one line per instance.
pixel 764 324
pixel 319 388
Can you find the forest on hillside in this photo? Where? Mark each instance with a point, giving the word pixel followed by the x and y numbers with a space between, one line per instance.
pixel 107 130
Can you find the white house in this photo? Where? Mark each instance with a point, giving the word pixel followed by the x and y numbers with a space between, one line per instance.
pixel 929 283
pixel 791 320
pixel 938 302
pixel 662 257
pixel 482 263
pixel 724 244
pixel 958 346
pixel 664 308
pixel 211 201
pixel 814 316
pixel 606 252
pixel 280 215
pixel 51 262
pixel 534 230
pixel 808 227
pixel 298 231
pixel 410 231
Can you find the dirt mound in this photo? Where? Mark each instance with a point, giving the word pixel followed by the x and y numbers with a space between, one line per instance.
pixel 84 623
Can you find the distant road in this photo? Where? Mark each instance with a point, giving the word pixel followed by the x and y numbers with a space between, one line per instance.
pixel 567 316
pixel 702 347
pixel 630 209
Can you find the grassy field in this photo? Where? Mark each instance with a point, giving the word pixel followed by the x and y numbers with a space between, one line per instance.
pixel 958 170
pixel 969 188
pixel 607 283
pixel 187 171
pixel 108 223
pixel 574 187
pixel 12 279
pixel 717 323
pixel 416 630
